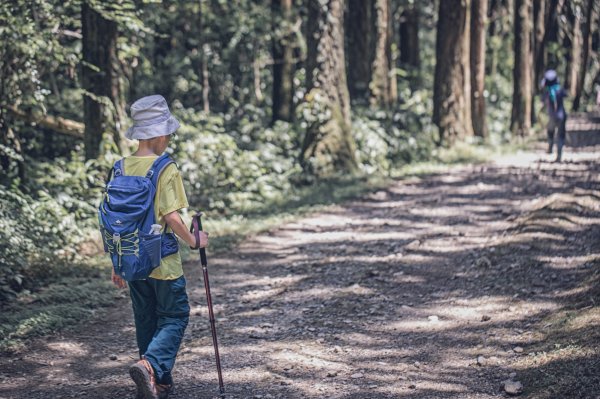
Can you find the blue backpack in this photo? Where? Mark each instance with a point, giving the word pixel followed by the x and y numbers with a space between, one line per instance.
pixel 126 214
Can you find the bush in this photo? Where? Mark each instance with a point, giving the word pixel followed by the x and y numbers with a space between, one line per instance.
pixel 32 231
pixel 42 223
pixel 233 173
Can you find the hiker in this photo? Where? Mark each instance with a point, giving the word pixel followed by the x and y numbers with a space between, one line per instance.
pixel 553 96
pixel 160 302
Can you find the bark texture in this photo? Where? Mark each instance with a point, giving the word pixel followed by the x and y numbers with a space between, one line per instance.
pixel 360 34
pixel 283 61
pixel 409 37
pixel 328 145
pixel 574 44
pixel 369 38
pixel 478 22
pixel 99 78
pixel 522 72
pixel 540 19
pixel 450 98
pixel 587 28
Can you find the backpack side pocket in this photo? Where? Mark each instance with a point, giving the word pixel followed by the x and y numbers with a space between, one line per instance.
pixel 169 245
pixel 150 245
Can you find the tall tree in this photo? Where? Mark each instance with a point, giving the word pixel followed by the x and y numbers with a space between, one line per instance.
pixel 587 28
pixel 539 53
pixel 360 39
pixel 553 11
pixel 369 51
pixel 498 30
pixel 467 68
pixel 478 22
pixel 328 145
pixel 449 95
pixel 99 78
pixel 522 72
pixel 540 20
pixel 409 37
pixel 382 91
pixel 573 42
pixel 283 60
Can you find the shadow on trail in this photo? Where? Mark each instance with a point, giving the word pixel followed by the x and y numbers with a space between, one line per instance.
pixel 419 291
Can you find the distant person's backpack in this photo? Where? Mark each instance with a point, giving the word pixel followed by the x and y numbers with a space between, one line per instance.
pixel 126 215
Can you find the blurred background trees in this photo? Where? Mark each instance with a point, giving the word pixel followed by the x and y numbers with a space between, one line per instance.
pixel 271 94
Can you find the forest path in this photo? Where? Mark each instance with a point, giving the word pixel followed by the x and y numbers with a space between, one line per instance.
pixel 440 286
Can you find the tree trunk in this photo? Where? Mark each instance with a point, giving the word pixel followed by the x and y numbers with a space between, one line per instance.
pixel 328 145
pixel 369 48
pixel 283 61
pixel 497 16
pixel 587 28
pixel 573 43
pixel 409 38
pixel 391 59
pixel 381 87
pixel 361 41
pixel 449 97
pixel 478 22
pixel 467 69
pixel 497 10
pixel 540 21
pixel 539 54
pixel 522 72
pixel 99 50
pixel 551 33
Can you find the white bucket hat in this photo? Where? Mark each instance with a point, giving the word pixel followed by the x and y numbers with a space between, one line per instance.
pixel 151 118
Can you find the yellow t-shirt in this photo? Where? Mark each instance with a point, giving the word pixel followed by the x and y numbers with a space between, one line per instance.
pixel 170 196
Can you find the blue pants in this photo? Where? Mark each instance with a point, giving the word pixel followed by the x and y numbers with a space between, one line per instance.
pixel 555 124
pixel 161 311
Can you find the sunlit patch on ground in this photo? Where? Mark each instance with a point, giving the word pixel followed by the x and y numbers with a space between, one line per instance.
pixel 436 287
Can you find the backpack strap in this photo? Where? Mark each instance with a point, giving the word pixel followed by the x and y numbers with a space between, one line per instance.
pixel 157 168
pixel 116 170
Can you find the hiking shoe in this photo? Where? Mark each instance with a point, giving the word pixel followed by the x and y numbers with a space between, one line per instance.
pixel 164 390
pixel 142 374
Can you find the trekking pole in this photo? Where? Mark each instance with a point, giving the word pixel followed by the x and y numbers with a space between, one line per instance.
pixel 196 228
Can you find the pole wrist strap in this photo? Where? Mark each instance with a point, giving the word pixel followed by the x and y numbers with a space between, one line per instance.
pixel 195 230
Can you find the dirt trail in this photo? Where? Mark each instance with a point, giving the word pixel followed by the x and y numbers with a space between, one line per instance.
pixel 438 287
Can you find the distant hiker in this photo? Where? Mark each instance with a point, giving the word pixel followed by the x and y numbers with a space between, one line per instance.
pixel 141 202
pixel 553 96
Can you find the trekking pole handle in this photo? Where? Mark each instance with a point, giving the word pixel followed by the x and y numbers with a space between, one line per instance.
pixel 195 229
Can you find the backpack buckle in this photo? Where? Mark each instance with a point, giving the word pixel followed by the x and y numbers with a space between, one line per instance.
pixel 150 174
pixel 116 238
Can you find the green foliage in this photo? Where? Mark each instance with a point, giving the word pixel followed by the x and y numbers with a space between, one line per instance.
pixel 40 229
pixel 499 107
pixel 220 174
pixel 231 41
pixel 32 233
pixel 76 185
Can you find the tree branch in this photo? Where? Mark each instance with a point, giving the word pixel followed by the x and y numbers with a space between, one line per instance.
pixel 56 123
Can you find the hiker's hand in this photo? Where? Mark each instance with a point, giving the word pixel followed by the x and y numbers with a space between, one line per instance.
pixel 203 239
pixel 203 243
pixel 118 281
pixel 176 224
